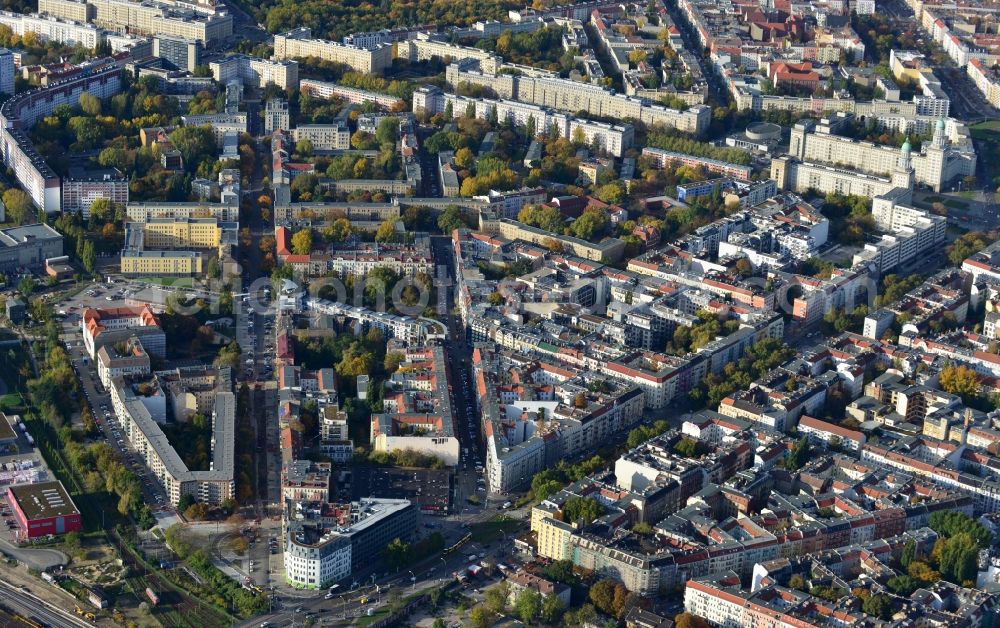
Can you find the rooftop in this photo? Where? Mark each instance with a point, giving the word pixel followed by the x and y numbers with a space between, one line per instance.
pixel 43 500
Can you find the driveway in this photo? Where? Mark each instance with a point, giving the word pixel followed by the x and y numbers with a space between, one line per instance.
pixel 40 559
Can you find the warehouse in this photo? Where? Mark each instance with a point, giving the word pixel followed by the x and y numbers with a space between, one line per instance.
pixel 43 509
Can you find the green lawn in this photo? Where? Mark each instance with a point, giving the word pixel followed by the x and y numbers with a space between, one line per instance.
pixel 956 204
pixel 10 401
pixel 986 130
pixel 489 531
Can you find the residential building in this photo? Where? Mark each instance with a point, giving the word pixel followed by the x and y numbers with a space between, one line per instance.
pixel 111 326
pixel 179 53
pixel 298 43
pixel 336 136
pixel 20 113
pixel 142 428
pixel 6 72
pixel 121 359
pixel 256 72
pixel 201 22
pixel 276 115
pixel 322 89
pixel 417 409
pixel 82 187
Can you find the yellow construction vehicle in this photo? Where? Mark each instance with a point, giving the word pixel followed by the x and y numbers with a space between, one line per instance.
pixel 79 611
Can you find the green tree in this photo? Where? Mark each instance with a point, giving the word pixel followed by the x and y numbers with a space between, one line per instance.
pixel 113 157
pixel 91 105
pixel 387 131
pixel 102 209
pixel 949 523
pixel 451 219
pixel 966 245
pixel 602 594
pixel 903 585
pixel 642 528
pixel 397 554
pixel 528 605
pixel 88 257
pixel 392 361
pixel 878 606
pixel 337 231
pixel 909 552
pixel 196 144
pixel 560 571
pixel 386 231
pixel 799 455
pixel 496 598
pixel 361 140
pixel 591 223
pixel 960 380
pixel 304 147
pixel 72 540
pixel 302 242
pixel 547 218
pixel 19 206
pixel 480 616
pixel 688 447
pixel 584 509
pixel 213 269
pixel 26 286
pixel 613 192
pixel 355 361
pixel 552 610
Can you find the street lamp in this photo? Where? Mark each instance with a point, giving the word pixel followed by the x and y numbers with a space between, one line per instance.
pixel 413 579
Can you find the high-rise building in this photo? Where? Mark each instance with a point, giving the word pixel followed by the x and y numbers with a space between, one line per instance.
pixel 178 52
pixel 276 115
pixel 6 71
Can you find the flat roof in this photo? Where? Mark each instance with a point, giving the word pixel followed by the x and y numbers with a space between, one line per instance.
pixel 43 500
pixel 28 233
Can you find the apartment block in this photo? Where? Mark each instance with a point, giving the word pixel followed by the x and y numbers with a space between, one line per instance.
pixel 199 22
pixel 256 72
pixel 322 89
pixel 20 113
pixel 335 136
pixel 299 44
pixel 82 187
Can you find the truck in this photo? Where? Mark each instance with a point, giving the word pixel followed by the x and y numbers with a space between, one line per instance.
pixel 474 570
